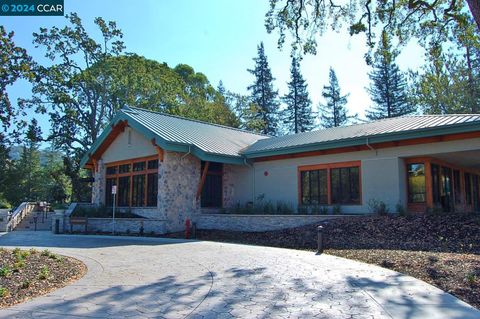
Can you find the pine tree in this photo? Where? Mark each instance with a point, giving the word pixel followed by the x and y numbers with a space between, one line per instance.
pixel 298 115
pixel 388 88
pixel 28 167
pixel 263 94
pixel 334 113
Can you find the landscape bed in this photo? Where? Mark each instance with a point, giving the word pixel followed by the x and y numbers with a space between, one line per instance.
pixel 25 274
pixel 443 250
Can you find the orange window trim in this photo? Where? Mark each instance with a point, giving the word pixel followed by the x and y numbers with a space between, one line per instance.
pixel 428 161
pixel 145 172
pixel 328 167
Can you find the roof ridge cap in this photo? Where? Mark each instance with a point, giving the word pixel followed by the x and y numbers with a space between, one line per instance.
pixel 194 120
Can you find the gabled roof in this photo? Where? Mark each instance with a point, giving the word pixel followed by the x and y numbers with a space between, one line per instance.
pixel 209 142
pixel 217 143
pixel 387 130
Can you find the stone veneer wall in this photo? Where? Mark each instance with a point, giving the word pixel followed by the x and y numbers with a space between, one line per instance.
pixel 228 187
pixel 98 187
pixel 178 179
pixel 3 220
pixel 122 225
pixel 258 223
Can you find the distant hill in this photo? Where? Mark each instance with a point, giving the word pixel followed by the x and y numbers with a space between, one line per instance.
pixel 16 154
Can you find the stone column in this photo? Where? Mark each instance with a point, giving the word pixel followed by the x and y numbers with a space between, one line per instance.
pixel 98 187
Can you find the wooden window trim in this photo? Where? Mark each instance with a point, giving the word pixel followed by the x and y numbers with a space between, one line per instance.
pixel 426 183
pixel 130 174
pixel 428 161
pixel 329 167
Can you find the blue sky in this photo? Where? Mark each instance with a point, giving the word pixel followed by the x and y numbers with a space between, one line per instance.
pixel 218 38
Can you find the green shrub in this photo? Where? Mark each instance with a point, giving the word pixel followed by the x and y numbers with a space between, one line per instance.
pixel 44 273
pixel 46 253
pixel 400 209
pixel 18 265
pixel 33 251
pixel 25 284
pixel 4 204
pixel 378 207
pixel 3 292
pixel 337 210
pixel 5 271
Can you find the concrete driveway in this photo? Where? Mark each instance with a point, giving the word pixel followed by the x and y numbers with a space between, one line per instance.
pixel 162 278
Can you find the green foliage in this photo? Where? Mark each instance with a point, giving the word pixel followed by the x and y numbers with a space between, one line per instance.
pixel 263 95
pixel 378 207
pixel 449 81
pixel 15 64
pixel 305 20
pixel 5 271
pixel 45 253
pixel 337 210
pixel 334 112
pixel 44 273
pixel 25 284
pixel 400 209
pixel 388 88
pixel 298 116
pixel 3 292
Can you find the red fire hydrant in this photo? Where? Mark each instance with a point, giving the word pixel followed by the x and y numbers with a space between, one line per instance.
pixel 187 228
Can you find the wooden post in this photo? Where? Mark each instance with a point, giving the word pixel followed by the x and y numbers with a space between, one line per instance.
pixel 202 180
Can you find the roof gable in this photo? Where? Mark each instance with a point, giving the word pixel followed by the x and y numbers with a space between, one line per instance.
pixel 209 142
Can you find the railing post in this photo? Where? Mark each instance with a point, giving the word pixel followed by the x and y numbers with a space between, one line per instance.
pixel 319 240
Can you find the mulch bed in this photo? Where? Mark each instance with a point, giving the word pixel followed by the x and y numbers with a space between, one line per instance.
pixel 443 250
pixel 25 274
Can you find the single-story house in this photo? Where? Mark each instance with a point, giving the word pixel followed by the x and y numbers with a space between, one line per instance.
pixel 169 167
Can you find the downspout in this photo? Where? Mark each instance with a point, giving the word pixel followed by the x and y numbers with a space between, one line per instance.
pixel 371 147
pixel 253 179
pixel 186 154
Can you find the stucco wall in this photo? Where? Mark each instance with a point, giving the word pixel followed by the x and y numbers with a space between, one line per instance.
pixel 383 172
pixel 237 184
pixel 121 150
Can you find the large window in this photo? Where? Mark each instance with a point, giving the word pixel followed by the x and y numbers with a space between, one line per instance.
pixel 314 187
pixel 212 187
pixel 137 183
pixel 343 186
pixel 416 183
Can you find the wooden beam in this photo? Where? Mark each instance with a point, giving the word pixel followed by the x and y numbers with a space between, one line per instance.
pixel 159 150
pixel 202 180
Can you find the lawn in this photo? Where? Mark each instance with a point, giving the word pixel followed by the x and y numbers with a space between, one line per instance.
pixel 25 274
pixel 443 250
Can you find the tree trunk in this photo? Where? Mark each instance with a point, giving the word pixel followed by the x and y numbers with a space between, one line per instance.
pixel 474 6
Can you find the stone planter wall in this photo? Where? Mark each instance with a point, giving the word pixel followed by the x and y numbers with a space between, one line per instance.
pixel 258 223
pixel 122 225
pixel 3 220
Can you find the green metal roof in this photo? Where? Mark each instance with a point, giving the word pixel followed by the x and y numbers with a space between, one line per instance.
pixel 393 129
pixel 209 142
pixel 217 143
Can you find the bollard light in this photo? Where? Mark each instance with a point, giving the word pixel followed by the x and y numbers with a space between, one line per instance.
pixel 319 240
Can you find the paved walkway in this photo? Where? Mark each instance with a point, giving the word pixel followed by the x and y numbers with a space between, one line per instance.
pixel 161 278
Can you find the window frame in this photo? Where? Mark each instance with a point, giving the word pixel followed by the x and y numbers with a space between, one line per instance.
pixel 328 167
pixel 408 184
pixel 218 173
pixel 130 174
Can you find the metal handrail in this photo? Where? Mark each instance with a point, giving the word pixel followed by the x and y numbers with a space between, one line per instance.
pixel 19 213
